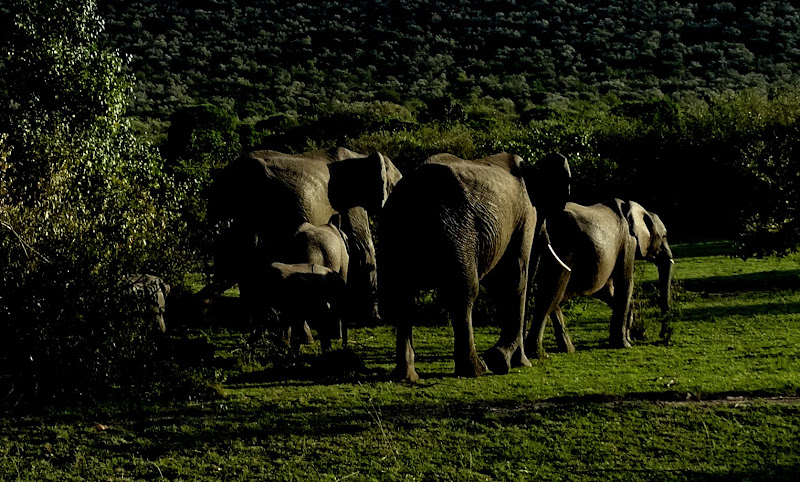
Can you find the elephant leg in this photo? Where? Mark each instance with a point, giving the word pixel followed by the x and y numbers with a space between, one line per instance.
pixel 605 294
pixel 629 322
pixel 307 336
pixel 534 341
pixel 375 316
pixel 510 348
pixel 467 362
pixel 398 309
pixel 460 301
pixel 325 343
pixel 563 341
pixel 623 292
pixel 551 286
pixel 300 334
pixel 255 308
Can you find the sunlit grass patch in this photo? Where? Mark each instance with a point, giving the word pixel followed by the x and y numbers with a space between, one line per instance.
pixel 719 401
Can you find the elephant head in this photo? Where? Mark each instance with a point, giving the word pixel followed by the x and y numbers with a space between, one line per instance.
pixel 651 239
pixel 548 183
pixel 353 183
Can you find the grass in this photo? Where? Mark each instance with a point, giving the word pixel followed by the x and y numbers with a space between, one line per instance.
pixel 718 402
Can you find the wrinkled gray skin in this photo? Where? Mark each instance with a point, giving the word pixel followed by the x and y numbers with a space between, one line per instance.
pixel 453 224
pixel 268 195
pixel 362 283
pixel 599 243
pixel 302 293
pixel 149 293
pixel 324 246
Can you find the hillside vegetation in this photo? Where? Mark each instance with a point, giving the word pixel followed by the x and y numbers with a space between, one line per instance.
pixel 269 55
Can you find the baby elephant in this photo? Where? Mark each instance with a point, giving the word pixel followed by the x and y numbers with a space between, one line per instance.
pixel 147 294
pixel 323 245
pixel 305 293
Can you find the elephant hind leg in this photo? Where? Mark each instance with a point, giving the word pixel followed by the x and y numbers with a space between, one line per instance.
pixel 563 341
pixel 398 310
pixel 509 349
pixel 549 294
pixel 460 299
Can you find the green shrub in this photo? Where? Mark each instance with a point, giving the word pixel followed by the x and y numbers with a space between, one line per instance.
pixel 83 203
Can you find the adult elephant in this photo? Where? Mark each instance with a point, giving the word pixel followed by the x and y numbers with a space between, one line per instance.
pixel 598 244
pixel 268 194
pixel 454 223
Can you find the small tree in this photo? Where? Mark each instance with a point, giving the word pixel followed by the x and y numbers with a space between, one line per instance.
pixel 83 203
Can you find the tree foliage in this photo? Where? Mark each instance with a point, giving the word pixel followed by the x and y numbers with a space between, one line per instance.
pixel 83 203
pixel 264 56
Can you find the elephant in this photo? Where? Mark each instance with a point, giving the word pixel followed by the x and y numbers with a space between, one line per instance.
pixel 267 195
pixel 147 295
pixel 454 223
pixel 299 294
pixel 325 246
pixel 598 244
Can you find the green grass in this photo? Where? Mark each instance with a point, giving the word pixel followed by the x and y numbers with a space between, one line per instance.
pixel 718 402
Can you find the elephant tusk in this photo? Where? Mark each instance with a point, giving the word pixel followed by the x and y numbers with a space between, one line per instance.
pixel 671 261
pixel 550 247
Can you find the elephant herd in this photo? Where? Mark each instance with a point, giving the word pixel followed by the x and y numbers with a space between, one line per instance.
pixel 298 242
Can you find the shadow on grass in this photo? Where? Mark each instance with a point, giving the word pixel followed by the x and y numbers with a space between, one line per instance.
pixel 322 370
pixel 703 249
pixel 278 425
pixel 750 310
pixel 218 424
pixel 762 281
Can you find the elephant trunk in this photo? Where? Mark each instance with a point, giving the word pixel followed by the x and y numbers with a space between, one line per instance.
pixel 665 266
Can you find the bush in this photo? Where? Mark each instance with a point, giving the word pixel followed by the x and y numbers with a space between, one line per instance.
pixel 83 204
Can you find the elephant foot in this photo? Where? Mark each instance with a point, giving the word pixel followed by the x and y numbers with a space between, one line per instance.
pixel 566 347
pixel 519 359
pixel 497 361
pixel 472 368
pixel 621 344
pixel 536 350
pixel 407 373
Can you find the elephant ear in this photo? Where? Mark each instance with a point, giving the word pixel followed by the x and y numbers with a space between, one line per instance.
pixel 548 183
pixel 641 226
pixel 393 175
pixel 358 182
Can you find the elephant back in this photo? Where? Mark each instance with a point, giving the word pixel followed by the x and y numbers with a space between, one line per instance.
pixel 322 245
pixel 477 205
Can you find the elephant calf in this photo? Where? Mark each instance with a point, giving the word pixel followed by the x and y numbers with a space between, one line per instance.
pixel 303 293
pixel 147 293
pixel 323 245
